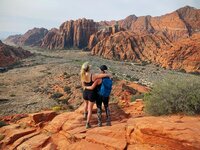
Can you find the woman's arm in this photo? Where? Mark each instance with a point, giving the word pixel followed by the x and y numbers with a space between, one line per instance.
pixel 101 75
pixel 96 82
pixel 82 84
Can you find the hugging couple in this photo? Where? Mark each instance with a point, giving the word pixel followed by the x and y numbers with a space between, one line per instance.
pixel 96 87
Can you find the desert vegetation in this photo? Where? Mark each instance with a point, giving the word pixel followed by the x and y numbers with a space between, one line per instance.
pixel 174 96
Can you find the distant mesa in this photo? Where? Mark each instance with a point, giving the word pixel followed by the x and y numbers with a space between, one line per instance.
pixel 9 54
pixel 32 37
pixel 144 38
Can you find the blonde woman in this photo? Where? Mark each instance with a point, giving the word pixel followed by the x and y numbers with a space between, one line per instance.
pixel 87 79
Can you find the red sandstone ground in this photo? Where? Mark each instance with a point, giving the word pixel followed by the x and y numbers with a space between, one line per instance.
pixel 130 129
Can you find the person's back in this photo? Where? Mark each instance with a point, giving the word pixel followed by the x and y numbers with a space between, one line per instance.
pixel 104 93
pixel 106 87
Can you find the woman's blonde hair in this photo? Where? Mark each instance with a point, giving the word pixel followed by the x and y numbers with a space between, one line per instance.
pixel 85 68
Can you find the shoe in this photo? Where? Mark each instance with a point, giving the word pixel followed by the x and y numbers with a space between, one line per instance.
pixel 108 123
pixel 87 126
pixel 99 124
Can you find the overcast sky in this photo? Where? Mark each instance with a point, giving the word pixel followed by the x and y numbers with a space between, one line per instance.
pixel 21 15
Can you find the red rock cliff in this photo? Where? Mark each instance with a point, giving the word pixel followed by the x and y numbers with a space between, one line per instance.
pixel 9 54
pixel 71 34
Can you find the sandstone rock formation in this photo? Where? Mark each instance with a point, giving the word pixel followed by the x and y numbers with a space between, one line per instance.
pixel 100 35
pixel 9 54
pixel 71 34
pixel 126 45
pixel 131 129
pixel 134 38
pixel 182 55
pixel 46 130
pixel 30 38
pixel 52 39
pixel 155 39
pixel 13 39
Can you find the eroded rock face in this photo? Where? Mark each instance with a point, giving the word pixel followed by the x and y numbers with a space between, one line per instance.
pixel 71 34
pixel 52 39
pixel 9 54
pixel 102 34
pixel 170 40
pixel 32 37
pixel 126 45
pixel 182 55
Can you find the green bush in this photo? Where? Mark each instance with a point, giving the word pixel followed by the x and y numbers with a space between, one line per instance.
pixel 2 123
pixel 174 95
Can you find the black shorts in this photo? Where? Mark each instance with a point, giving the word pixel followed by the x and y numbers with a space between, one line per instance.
pixel 89 95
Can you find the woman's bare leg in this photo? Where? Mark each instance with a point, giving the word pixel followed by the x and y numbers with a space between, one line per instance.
pixel 90 107
pixel 85 109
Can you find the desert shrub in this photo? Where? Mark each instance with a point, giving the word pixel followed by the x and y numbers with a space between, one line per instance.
pixel 56 95
pixel 2 123
pixel 143 63
pixel 12 95
pixel 56 108
pixel 131 78
pixel 67 89
pixel 2 136
pixel 134 97
pixel 70 107
pixel 62 101
pixel 174 95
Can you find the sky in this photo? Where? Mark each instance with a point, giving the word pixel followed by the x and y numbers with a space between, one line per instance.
pixel 18 16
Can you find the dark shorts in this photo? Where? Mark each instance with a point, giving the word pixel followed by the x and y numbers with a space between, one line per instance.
pixel 89 95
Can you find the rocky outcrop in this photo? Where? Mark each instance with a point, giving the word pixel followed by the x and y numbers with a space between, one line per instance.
pixel 10 55
pixel 131 128
pixel 176 25
pixel 128 131
pixel 190 17
pixel 166 40
pixel 156 48
pixel 182 55
pixel 104 33
pixel 71 34
pixel 52 39
pixel 32 37
pixel 126 45
pixel 13 39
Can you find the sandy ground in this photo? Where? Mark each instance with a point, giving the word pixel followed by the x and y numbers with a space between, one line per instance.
pixel 18 86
